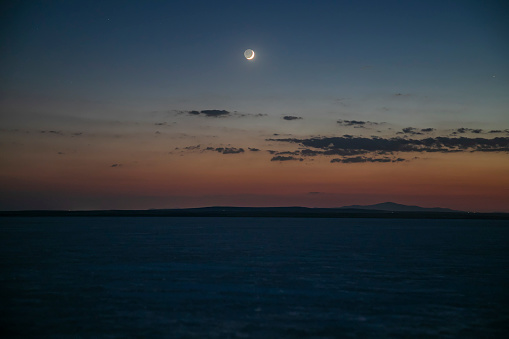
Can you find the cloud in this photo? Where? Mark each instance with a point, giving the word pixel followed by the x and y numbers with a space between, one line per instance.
pixel 342 101
pixel 218 113
pixel 229 150
pixel 411 130
pixel 222 150
pixel 53 132
pixel 357 123
pixel 253 149
pixel 285 158
pixel 334 145
pixel 257 115
pixel 214 113
pixel 349 160
pixel 116 165
pixel 377 149
pixel 342 152
pixel 499 131
pixel 465 130
pixel 288 153
pixel 364 159
pixel 351 122
pixel 310 152
pixel 291 117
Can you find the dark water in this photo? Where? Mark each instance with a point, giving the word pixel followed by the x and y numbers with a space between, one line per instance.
pixel 253 278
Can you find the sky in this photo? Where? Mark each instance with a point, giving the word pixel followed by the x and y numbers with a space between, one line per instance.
pixel 152 104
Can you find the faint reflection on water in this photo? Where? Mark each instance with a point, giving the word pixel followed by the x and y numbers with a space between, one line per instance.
pixel 253 278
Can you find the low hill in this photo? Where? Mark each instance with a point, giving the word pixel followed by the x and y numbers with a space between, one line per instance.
pixel 394 207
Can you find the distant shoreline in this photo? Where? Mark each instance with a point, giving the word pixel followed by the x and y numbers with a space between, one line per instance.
pixel 260 212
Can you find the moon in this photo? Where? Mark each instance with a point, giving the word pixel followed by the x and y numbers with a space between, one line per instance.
pixel 249 54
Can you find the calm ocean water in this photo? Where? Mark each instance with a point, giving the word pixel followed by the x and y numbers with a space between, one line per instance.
pixel 253 278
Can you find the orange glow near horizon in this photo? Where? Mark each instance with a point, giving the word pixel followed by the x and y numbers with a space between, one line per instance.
pixel 471 181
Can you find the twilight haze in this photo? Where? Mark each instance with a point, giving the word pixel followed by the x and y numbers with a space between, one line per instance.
pixel 137 104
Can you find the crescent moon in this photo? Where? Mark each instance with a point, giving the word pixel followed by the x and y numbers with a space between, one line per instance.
pixel 249 54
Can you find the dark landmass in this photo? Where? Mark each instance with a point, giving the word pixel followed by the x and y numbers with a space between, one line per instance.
pixel 272 212
pixel 391 206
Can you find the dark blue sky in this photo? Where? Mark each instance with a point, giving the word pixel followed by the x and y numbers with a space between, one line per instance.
pixel 161 53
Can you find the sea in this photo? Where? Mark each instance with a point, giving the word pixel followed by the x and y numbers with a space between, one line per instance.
pixel 157 277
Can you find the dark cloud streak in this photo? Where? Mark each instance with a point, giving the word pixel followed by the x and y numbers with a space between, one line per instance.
pixel 411 130
pixel 211 113
pixel 291 117
pixel 357 123
pixel 229 150
pixel 284 158
pixel 364 159
pixel 330 145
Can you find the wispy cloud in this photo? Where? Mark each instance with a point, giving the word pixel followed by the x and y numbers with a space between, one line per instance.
pixel 411 131
pixel 350 148
pixel 291 117
pixel 285 158
pixel 463 130
pixel 373 144
pixel 366 159
pixel 249 115
pixel 222 150
pixel 53 132
pixel 229 150
pixel 357 123
pixel 218 113
pixel 211 113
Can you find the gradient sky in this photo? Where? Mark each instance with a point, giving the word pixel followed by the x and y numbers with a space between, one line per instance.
pixel 151 104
